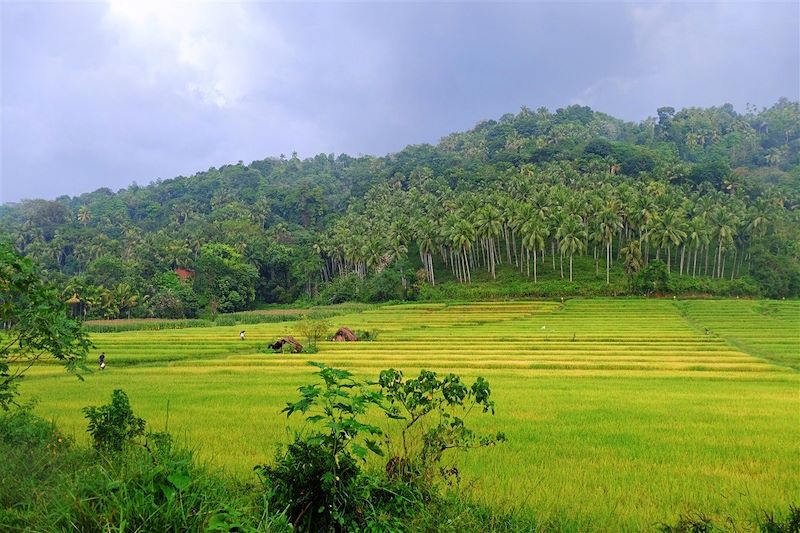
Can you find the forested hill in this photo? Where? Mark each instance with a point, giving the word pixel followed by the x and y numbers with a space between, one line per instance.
pixel 573 200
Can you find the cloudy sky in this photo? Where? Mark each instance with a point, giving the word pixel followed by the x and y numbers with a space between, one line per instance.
pixel 107 93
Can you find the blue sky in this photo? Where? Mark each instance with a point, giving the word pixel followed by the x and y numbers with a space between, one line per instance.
pixel 107 93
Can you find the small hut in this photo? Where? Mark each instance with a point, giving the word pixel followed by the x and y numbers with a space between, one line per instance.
pixel 76 306
pixel 280 343
pixel 344 334
pixel 184 274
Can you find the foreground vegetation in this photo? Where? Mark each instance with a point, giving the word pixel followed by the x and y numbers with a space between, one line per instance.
pixel 620 414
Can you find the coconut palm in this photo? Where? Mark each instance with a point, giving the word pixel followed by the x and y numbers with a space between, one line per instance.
pixel 534 233
pixel 84 215
pixel 669 232
pixel 571 238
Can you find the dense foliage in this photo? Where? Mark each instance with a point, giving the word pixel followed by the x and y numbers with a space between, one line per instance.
pixel 34 324
pixel 712 192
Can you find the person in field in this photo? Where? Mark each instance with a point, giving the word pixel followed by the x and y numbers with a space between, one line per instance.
pixel 102 361
pixel 241 335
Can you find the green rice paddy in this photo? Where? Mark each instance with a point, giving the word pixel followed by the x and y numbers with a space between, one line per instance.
pixel 621 414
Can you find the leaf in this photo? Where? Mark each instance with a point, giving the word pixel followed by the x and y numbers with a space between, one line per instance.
pixel 374 447
pixel 359 451
pixel 179 481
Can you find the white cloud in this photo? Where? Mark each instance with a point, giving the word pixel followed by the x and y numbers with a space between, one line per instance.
pixel 208 51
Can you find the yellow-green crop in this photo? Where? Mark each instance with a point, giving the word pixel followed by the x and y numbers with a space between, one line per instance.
pixel 620 413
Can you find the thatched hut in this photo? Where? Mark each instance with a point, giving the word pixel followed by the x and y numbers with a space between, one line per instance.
pixel 76 306
pixel 291 341
pixel 344 334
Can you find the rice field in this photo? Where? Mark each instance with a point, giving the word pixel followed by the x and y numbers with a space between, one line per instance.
pixel 621 414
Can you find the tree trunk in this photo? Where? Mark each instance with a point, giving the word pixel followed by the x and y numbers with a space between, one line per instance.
pixel 683 250
pixel 669 259
pixel 570 267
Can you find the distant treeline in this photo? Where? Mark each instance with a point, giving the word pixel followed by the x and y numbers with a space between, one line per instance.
pixel 710 192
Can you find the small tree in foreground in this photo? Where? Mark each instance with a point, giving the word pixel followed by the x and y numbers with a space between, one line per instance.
pixel 319 479
pixel 432 411
pixel 113 425
pixel 35 324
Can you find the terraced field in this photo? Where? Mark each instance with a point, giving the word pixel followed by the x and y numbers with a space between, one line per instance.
pixel 621 414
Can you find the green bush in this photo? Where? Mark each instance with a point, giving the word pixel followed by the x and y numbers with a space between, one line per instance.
pixel 318 479
pixel 342 289
pixel 113 426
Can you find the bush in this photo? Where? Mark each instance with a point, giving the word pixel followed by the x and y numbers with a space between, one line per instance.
pixel 34 454
pixel 777 276
pixel 113 426
pixel 313 329
pixel 319 478
pixel 319 489
pixel 342 289
pixel 432 412
pixel 652 279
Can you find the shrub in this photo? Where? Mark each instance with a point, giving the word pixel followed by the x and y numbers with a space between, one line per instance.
pixel 789 524
pixel 342 289
pixel 317 478
pixel 313 329
pixel 432 412
pixel 113 425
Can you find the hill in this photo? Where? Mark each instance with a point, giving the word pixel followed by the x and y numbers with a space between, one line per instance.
pixel 535 203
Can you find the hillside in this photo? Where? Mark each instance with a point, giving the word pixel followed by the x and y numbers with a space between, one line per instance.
pixel 535 203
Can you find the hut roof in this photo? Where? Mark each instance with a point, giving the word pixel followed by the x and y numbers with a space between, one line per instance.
pixel 278 345
pixel 74 300
pixel 345 334
pixel 184 273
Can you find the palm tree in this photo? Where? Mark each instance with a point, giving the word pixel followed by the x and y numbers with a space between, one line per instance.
pixel 126 298
pixel 699 237
pixel 571 235
pixel 490 226
pixel 610 223
pixel 534 233
pixel 725 224
pixel 84 215
pixel 669 233
pixel 425 235
pixel 633 257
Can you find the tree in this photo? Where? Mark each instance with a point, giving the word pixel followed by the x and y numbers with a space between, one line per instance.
pixel 36 324
pixel 534 233
pixel 571 236
pixel 84 215
pixel 221 275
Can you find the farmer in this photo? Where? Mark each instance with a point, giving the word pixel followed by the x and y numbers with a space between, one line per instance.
pixel 241 335
pixel 102 361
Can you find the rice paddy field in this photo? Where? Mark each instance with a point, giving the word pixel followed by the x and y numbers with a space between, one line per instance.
pixel 621 414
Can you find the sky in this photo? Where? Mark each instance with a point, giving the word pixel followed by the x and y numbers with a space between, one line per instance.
pixel 107 93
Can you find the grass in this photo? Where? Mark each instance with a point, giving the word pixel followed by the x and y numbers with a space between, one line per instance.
pixel 621 413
